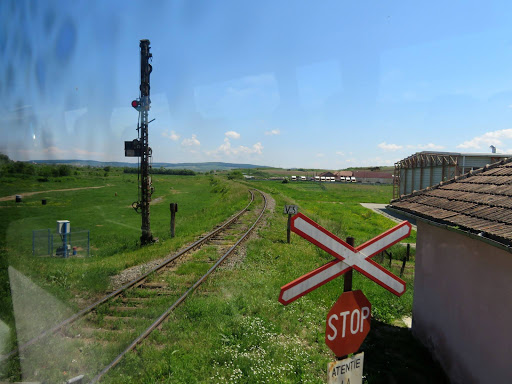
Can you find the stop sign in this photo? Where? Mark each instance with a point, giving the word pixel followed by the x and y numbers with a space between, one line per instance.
pixel 348 323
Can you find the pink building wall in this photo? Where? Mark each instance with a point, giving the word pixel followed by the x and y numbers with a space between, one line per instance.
pixel 462 307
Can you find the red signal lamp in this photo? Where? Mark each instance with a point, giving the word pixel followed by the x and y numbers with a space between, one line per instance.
pixel 135 104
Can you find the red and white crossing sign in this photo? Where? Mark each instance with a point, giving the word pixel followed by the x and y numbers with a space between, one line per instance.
pixel 346 256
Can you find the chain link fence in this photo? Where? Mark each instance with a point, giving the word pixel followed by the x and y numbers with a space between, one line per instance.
pixel 46 242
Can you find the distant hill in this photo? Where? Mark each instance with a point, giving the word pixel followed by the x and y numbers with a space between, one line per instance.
pixel 198 167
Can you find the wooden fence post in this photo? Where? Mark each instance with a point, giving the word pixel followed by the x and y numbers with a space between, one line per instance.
pixel 288 228
pixel 174 208
pixel 403 265
pixel 347 277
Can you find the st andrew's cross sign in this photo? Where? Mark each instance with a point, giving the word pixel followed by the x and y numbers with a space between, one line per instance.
pixel 347 257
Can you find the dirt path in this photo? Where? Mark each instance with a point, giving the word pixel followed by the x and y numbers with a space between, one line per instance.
pixel 12 197
pixel 396 217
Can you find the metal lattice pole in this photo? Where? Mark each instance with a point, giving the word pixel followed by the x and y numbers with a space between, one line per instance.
pixel 140 147
pixel 146 187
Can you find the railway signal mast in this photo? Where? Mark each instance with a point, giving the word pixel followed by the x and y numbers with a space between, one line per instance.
pixel 140 146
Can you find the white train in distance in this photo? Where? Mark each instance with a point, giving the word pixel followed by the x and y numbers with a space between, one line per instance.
pixel 326 179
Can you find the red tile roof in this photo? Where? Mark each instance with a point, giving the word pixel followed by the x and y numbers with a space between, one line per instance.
pixel 343 173
pixel 373 175
pixel 479 201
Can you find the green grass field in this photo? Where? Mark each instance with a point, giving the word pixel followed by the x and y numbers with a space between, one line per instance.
pixel 232 329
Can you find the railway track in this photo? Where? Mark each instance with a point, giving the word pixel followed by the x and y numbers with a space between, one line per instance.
pixel 85 343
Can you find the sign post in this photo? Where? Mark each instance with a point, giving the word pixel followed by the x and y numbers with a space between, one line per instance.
pixel 174 208
pixel 348 321
pixel 290 210
pixel 347 277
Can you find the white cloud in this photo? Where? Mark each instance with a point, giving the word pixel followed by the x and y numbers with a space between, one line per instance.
pixel 173 135
pixel 489 138
pixel 190 143
pixel 426 147
pixel 232 135
pixel 389 147
pixel 320 155
pixel 256 148
pixel 339 153
pixel 227 150
pixel 273 132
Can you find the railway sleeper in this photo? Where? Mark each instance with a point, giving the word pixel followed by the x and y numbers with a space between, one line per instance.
pixel 220 242
pixel 157 291
pixel 135 299
pixel 154 284
pixel 121 318
pixel 86 332
pixel 124 309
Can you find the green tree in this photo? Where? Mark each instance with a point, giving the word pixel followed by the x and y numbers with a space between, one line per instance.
pixel 235 174
pixel 4 159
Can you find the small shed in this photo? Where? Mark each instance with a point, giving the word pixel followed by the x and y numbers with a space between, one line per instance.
pixel 327 174
pixel 462 308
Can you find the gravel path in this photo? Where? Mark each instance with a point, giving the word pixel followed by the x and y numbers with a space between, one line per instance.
pixel 382 209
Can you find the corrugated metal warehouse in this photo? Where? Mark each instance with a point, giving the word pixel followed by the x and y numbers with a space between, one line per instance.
pixel 425 169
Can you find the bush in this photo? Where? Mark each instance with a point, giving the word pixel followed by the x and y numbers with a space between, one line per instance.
pixel 21 167
pixel 236 174
pixel 4 159
pixel 64 170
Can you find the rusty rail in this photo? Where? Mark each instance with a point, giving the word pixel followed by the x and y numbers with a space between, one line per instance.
pixel 169 310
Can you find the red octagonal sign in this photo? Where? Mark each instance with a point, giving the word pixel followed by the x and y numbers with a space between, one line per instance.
pixel 348 323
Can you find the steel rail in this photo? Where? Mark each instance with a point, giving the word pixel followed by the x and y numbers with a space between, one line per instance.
pixel 166 314
pixel 128 285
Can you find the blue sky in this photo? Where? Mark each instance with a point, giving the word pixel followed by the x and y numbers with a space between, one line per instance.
pixel 312 84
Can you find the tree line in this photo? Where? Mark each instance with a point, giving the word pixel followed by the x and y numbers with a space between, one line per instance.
pixel 8 166
pixel 163 171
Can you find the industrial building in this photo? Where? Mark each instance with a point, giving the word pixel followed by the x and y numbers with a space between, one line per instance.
pixel 462 309
pixel 425 169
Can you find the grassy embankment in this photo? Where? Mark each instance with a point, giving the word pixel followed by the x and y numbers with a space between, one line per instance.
pixel 114 227
pixel 234 329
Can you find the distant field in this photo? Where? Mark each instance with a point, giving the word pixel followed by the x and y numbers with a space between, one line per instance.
pixel 269 172
pixel 114 225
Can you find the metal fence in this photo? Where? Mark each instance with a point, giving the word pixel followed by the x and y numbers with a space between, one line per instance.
pixel 46 242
